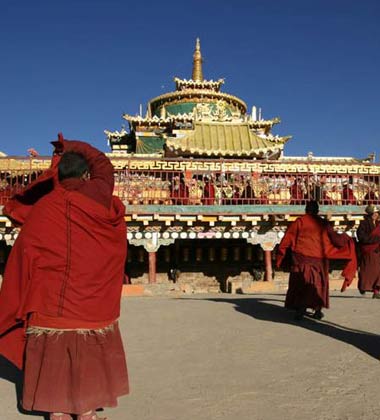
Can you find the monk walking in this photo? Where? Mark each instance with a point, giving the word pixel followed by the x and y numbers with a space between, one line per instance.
pixel 368 235
pixel 313 242
pixel 60 298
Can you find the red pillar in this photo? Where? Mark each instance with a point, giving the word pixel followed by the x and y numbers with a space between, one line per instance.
pixel 152 267
pixel 268 265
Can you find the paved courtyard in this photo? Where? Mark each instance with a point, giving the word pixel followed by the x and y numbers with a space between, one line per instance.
pixel 243 357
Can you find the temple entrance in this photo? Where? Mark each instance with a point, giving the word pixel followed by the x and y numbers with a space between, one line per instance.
pixel 199 259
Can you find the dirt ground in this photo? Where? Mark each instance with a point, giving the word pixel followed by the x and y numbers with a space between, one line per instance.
pixel 243 357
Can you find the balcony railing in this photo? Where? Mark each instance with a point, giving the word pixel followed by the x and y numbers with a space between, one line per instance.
pixel 143 182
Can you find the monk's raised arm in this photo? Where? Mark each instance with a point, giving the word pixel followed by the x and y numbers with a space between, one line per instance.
pixel 101 168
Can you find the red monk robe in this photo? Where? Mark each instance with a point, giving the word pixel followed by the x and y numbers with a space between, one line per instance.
pixel 348 196
pixel 368 234
pixel 208 193
pixel 55 283
pixel 296 192
pixel 313 242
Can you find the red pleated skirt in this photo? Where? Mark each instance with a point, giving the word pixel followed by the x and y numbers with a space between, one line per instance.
pixel 369 272
pixel 73 373
pixel 308 283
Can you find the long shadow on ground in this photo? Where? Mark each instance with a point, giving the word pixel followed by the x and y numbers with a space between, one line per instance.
pixel 262 309
pixel 11 373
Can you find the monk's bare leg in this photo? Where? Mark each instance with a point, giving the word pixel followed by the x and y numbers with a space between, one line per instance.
pixel 90 415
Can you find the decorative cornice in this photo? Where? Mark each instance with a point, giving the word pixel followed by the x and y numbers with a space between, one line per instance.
pixel 276 138
pixel 198 94
pixel 183 84
pixel 158 120
pixel 22 163
pixel 288 164
pixel 115 134
pixel 264 123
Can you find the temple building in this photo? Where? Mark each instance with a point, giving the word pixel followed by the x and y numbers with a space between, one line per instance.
pixel 208 189
pixel 198 120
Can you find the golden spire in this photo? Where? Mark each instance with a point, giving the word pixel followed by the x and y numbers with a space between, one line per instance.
pixel 197 63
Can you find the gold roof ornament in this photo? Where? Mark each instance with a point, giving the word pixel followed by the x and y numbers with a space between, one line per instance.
pixel 197 62
pixel 198 119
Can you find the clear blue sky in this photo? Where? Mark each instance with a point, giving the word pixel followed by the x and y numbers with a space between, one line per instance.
pixel 77 65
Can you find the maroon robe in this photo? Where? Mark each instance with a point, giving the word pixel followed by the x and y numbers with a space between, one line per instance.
pixel 208 193
pixel 348 195
pixel 368 235
pixel 370 197
pixel 180 193
pixel 296 193
pixel 313 242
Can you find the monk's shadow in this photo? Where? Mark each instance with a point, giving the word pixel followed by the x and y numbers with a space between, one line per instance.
pixel 262 309
pixel 352 297
pixel 11 373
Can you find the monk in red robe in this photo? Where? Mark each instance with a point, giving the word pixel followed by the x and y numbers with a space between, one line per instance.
pixel 370 196
pixel 60 297
pixel 208 197
pixel 348 196
pixel 180 191
pixel 313 242
pixel 296 192
pixel 368 235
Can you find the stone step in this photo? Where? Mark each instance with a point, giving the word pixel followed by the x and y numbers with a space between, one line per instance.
pixel 234 286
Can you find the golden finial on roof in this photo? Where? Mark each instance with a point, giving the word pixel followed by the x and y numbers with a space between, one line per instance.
pixel 197 63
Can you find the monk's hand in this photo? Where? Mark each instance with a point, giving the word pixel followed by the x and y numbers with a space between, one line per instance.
pixel 58 145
